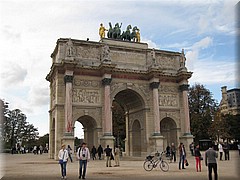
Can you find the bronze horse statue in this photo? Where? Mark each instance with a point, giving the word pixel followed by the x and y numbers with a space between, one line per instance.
pixel 126 36
pixel 133 34
pixel 110 31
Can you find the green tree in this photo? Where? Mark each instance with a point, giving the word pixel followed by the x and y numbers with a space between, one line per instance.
pixel 202 108
pixel 43 140
pixel 219 128
pixel 17 129
pixel 232 122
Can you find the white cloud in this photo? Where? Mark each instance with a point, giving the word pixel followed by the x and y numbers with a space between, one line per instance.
pixel 13 74
pixel 150 43
pixel 38 96
pixel 203 43
pixel 192 53
pixel 213 72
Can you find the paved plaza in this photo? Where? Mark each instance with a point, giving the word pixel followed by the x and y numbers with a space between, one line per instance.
pixel 36 167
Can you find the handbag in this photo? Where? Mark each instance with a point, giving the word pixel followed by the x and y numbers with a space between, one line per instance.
pixel 60 161
pixel 201 158
pixel 186 162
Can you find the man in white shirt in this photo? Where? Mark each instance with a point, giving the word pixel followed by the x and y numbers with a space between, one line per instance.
pixel 83 156
pixel 220 149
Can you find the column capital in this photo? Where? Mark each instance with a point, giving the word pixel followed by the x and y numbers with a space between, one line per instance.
pixel 154 85
pixel 68 78
pixel 106 81
pixel 184 87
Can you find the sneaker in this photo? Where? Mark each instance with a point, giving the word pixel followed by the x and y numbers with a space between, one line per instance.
pixel 79 177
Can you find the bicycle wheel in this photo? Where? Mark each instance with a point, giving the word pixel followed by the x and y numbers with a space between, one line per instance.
pixel 164 166
pixel 148 165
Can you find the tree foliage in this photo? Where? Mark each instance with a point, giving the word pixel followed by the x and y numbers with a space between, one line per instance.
pixel 202 108
pixel 17 129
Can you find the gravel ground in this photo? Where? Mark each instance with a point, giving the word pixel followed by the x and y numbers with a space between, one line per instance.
pixel 36 167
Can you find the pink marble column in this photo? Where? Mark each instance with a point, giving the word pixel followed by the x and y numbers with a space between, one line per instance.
pixel 68 104
pixel 156 117
pixel 184 89
pixel 107 115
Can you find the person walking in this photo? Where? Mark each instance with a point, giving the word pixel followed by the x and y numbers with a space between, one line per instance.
pixel 63 158
pixel 116 155
pixel 211 162
pixel 69 149
pixel 100 152
pixel 182 156
pixel 198 158
pixel 93 152
pixel 220 149
pixel 108 152
pixel 173 152
pixel 83 156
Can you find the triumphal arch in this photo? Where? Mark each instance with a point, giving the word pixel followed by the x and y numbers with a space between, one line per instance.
pixel 122 92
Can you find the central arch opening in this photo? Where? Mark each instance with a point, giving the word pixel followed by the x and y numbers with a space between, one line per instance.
pixel 125 105
pixel 88 126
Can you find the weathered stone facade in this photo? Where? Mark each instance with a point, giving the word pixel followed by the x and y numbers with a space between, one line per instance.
pixel 151 85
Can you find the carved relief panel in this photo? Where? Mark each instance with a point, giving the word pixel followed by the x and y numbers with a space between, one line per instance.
pixel 86 92
pixel 86 96
pixel 86 52
pixel 168 96
pixel 167 62
pixel 168 100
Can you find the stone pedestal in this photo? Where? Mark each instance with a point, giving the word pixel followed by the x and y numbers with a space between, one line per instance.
pixel 107 140
pixel 156 143
pixel 68 139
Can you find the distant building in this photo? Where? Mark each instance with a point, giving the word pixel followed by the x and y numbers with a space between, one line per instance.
pixel 230 103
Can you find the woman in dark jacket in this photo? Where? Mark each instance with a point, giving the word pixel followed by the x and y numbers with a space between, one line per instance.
pixel 198 158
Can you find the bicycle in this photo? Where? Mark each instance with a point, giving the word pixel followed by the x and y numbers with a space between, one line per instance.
pixel 151 162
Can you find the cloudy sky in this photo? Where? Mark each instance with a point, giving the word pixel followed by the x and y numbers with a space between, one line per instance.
pixel 29 31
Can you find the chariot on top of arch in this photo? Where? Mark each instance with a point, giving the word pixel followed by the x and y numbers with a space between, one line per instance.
pixel 130 34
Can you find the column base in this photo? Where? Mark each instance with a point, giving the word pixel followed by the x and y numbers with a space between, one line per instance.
pixel 186 139
pixel 68 139
pixel 107 140
pixel 155 143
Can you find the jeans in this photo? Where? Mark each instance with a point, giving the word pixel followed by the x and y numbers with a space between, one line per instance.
pixel 63 168
pixel 83 164
pixel 181 161
pixel 214 167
